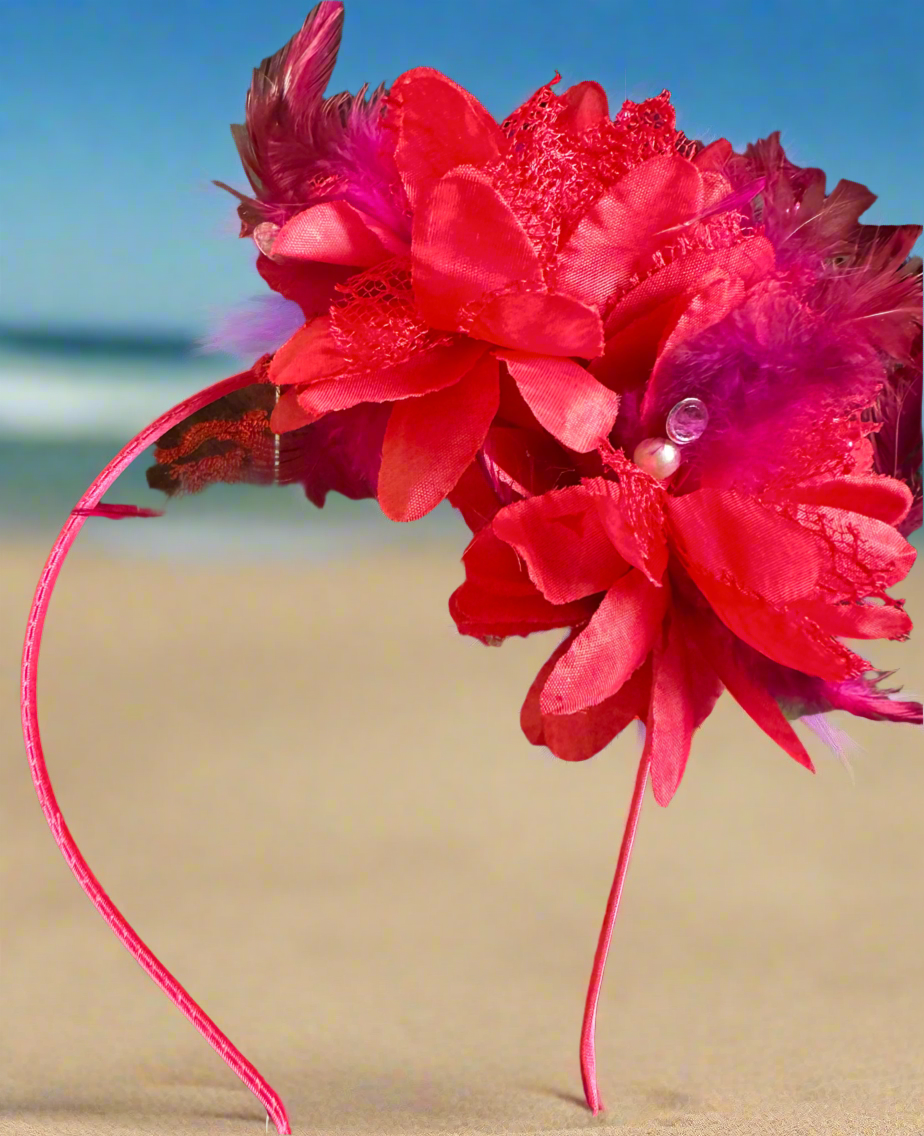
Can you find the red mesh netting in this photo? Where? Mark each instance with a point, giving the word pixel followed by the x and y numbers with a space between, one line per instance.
pixel 856 568
pixel 377 323
pixel 830 444
pixel 550 176
pixel 641 499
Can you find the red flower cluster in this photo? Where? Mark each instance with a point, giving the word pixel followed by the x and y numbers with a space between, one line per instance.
pixel 674 391
pixel 509 315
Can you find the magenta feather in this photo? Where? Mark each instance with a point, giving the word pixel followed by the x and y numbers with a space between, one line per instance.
pixel 257 327
pixel 299 149
pixel 801 695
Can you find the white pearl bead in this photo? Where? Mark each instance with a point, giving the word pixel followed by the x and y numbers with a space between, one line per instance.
pixel 657 456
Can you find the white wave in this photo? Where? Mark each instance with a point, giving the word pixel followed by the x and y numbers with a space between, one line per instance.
pixel 55 407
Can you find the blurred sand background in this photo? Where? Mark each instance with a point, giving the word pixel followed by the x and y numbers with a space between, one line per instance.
pixel 312 799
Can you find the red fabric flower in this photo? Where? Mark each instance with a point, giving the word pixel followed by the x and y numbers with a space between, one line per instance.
pixel 481 299
pixel 517 249
pixel 664 594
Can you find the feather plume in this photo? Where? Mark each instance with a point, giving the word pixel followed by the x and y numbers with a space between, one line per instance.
pixel 298 148
pixel 254 328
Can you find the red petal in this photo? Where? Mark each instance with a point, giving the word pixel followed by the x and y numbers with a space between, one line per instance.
pixel 565 548
pixel 539 323
pixel 783 634
pixel 682 697
pixel 310 354
pixel 493 566
pixel 615 643
pixel 876 552
pixel 716 189
pixel 528 461
pixel 474 498
pixel 721 532
pixel 311 286
pixel 705 309
pixel 499 599
pixel 487 616
pixel 639 545
pixel 585 105
pixel 884 498
pixel 858 620
pixel 465 243
pixel 424 373
pixel 341 453
pixel 630 354
pixel 621 230
pixel 714 156
pixel 717 647
pixel 334 233
pixel 288 415
pixel 431 440
pixel 576 737
pixel 440 126
pixel 565 398
pixel 753 570
pixel 752 260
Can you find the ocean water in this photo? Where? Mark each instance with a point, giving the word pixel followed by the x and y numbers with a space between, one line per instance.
pixel 69 403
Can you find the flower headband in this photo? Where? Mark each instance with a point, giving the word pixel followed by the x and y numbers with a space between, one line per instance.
pixel 674 391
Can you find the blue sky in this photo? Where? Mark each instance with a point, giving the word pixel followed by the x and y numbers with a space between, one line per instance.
pixel 115 117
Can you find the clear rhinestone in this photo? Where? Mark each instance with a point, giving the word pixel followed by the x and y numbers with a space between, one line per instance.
pixel 687 421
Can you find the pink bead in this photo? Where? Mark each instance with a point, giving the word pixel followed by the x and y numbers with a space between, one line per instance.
pixel 657 456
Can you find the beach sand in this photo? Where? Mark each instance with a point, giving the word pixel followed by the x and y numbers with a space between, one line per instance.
pixel 312 799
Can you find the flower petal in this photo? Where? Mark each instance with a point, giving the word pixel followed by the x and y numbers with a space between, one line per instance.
pixel 860 555
pixel 440 126
pixel 489 617
pixel 754 570
pixel 424 373
pixel 311 286
pixel 466 242
pixel 560 539
pixel 540 323
pixel 474 498
pixel 565 398
pixel 522 462
pixel 310 354
pixel 624 226
pixel 718 649
pixel 335 232
pixel 706 308
pixel 636 530
pixel 288 415
pixel 630 353
pixel 585 105
pixel 752 260
pixel 884 498
pixel 722 532
pixel 578 736
pixel 714 156
pixel 615 643
pixel 498 598
pixel 858 620
pixel 430 441
pixel 339 454
pixel 683 694
pixel 782 633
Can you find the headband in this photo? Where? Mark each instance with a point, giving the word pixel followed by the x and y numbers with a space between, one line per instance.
pixel 673 390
